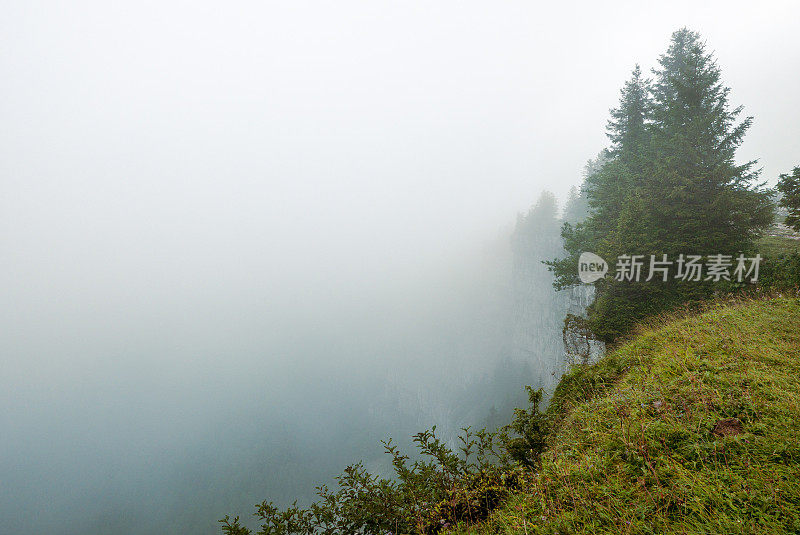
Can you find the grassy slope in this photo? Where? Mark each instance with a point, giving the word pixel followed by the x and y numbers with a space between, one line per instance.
pixel 634 450
pixel 773 246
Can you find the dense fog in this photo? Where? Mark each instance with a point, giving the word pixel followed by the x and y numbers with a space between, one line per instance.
pixel 240 244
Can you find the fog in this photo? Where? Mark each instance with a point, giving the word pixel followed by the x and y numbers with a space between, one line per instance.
pixel 242 243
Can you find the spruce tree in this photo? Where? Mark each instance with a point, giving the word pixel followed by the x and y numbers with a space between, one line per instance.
pixel 708 203
pixel 789 186
pixel 608 179
pixel 627 128
pixel 672 187
pixel 610 185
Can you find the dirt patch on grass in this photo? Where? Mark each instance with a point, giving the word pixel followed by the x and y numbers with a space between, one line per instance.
pixel 728 427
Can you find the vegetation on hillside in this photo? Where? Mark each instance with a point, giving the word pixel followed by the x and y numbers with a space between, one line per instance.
pixel 439 488
pixel 690 427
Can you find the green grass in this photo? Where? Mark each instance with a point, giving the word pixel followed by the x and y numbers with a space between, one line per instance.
pixel 774 246
pixel 633 450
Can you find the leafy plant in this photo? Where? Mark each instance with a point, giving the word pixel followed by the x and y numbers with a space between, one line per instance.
pixel 440 488
pixel 531 428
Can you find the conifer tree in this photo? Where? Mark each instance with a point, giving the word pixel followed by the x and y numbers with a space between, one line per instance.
pixel 789 186
pixel 608 179
pixel 576 208
pixel 627 128
pixel 537 233
pixel 708 202
pixel 672 187
pixel 609 187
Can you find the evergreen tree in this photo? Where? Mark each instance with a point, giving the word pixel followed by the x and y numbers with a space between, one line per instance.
pixel 537 236
pixel 672 187
pixel 540 224
pixel 608 179
pixel 789 186
pixel 609 186
pixel 542 218
pixel 708 202
pixel 627 127
pixel 577 207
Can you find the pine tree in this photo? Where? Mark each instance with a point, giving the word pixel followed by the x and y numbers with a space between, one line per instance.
pixel 576 208
pixel 610 185
pixel 789 186
pixel 627 127
pixel 708 202
pixel 608 179
pixel 537 232
pixel 672 186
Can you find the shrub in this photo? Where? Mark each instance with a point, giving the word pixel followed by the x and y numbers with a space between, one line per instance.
pixel 442 488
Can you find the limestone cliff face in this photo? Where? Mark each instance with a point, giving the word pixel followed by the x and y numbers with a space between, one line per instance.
pixel 537 318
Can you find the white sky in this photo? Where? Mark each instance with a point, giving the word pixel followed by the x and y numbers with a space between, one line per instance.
pixel 158 154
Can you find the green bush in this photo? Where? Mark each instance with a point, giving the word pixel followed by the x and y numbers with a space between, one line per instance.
pixel 690 427
pixel 442 488
pixel 781 273
pixel 530 427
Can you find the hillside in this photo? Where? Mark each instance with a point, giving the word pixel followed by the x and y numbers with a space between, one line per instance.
pixel 690 427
